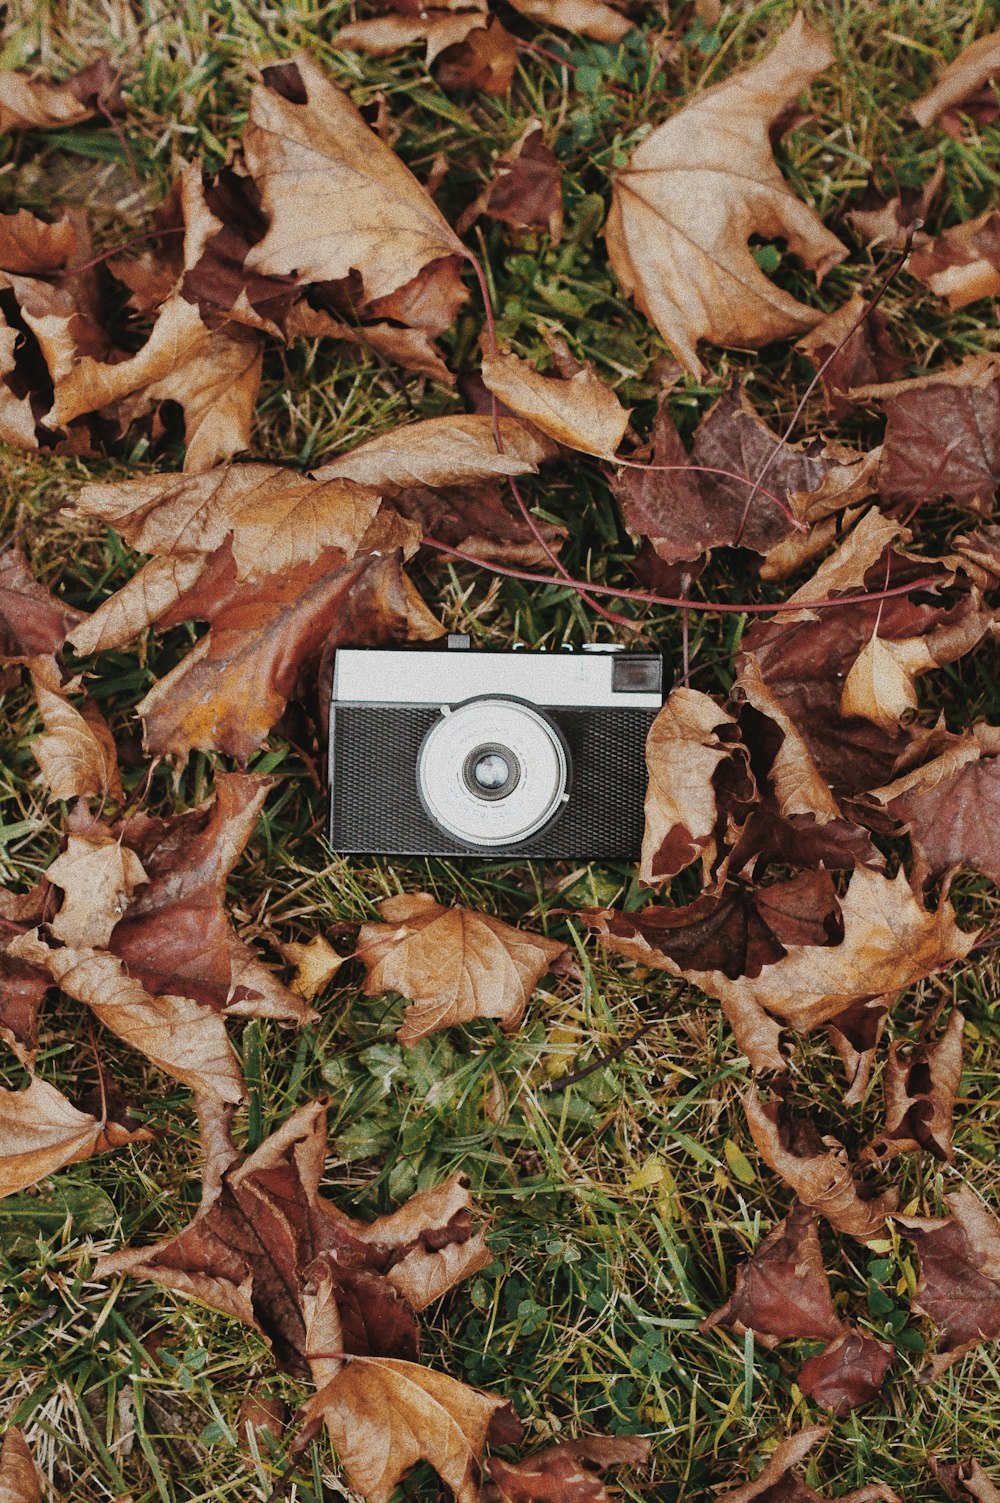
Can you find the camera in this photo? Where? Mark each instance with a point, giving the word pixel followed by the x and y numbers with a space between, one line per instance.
pixel 455 751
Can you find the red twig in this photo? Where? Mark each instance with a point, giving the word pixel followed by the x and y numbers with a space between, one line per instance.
pixel 583 586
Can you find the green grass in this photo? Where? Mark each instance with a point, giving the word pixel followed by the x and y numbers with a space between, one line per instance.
pixel 619 1207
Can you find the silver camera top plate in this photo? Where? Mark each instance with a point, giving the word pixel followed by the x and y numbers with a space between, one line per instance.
pixel 600 680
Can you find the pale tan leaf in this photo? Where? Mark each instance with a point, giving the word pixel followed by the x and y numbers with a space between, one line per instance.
pixel 439 452
pixel 798 787
pixel 683 750
pixel 338 200
pixel 41 1131
pixel 582 412
pixel 384 1416
pixel 183 1038
pixel 586 18
pixel 147 596
pixel 315 964
pixel 452 964
pixel 880 685
pixel 694 192
pixel 77 753
pixel 962 77
pixel 383 35
pixel 98 876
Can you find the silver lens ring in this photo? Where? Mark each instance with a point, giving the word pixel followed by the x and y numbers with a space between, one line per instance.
pixel 460 771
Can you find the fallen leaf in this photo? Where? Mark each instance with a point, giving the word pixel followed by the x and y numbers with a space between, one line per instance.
pixel 585 18
pixel 265 1248
pixel 697 188
pixel 941 435
pixel 485 60
pixel 41 1131
pixel 472 517
pixel 782 1292
pixel 315 964
pixel 699 790
pixel 951 805
pixel 381 36
pixel 570 1472
pixel 816 1168
pixel 890 219
pixel 23 986
pixel 581 413
pixel 337 199
pixel 19 1479
pixel 920 1094
pixel 98 877
pixel 385 1415
pixel 962 77
pixel 777 1483
pixel 525 190
pixel 962 264
pixel 77 753
pixel 30 246
pixel 261 1421
pixel 453 965
pixel 959 1286
pixel 33 622
pixel 846 1374
pixel 847 360
pixel 440 452
pixel 964 1480
pixel 31 103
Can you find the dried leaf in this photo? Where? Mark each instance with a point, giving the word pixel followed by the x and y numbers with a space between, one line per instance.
pixel 485 60
pixel 40 1132
pixel 267 1249
pixel 570 1472
pixel 699 788
pixel 385 1415
pixel 777 1483
pixel 77 754
pixel 98 876
pixel 846 1374
pixel 962 77
pixel 439 452
pixel 782 1292
pixel 33 622
pixel 383 35
pixel 920 1096
pixel 816 1168
pixel 19 1479
pixel 315 964
pixel 864 357
pixel 525 190
pixel 28 103
pixel 959 1287
pixel 694 192
pixel 585 18
pixel 453 965
pixel 964 1480
pixel 30 246
pixel 582 412
pixel 337 199
pixel 962 264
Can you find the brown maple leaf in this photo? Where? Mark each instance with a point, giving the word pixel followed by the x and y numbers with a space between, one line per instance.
pixel 920 1094
pixel 849 359
pixel 77 753
pixel 267 1249
pixel 941 435
pixel 570 1472
pixel 586 18
pixel 962 264
pixel 22 985
pixel 581 412
pixel 474 519
pixel 440 452
pixel 42 1131
pixel 782 1292
pixel 959 1286
pixel 525 190
pixel 697 188
pixel 846 1374
pixel 777 1483
pixel 35 103
pixel 19 1479
pixel 816 1168
pixel 381 36
pixel 964 1481
pixel 963 76
pixel 452 964
pixel 485 60
pixel 33 622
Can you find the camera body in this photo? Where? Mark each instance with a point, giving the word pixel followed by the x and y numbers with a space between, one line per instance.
pixel 459 752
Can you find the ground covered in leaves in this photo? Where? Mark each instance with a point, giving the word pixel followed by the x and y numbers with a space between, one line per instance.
pixel 819 844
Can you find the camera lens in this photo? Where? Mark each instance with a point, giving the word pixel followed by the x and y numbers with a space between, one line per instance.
pixel 491 771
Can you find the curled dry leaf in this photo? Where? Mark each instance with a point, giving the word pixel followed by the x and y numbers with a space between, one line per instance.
pixel 485 60
pixel 881 683
pixel 777 1483
pixel 19 1479
pixel 266 1249
pixel 961 264
pixel 570 1472
pixel 941 437
pixel 847 359
pixel 846 1374
pixel 962 77
pixel 41 1131
pixel 22 985
pixel 964 1481
pixel 77 753
pixel 337 199
pixel 453 965
pixel 98 876
pixel 782 1292
pixel 315 964
pixel 816 1168
pixel 586 18
pixel 525 190
pixel 440 452
pixel 581 412
pixel 385 1415
pixel 383 35
pixel 475 519
pixel 28 103
pixel 959 1286
pixel 697 188
pixel 920 1094
pixel 951 805
pixel 700 787
pixel 33 622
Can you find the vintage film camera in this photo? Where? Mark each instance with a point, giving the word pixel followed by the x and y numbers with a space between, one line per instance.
pixel 459 752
